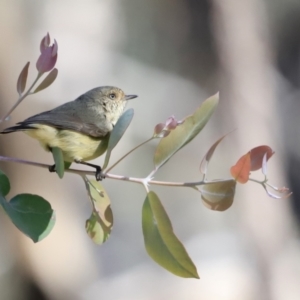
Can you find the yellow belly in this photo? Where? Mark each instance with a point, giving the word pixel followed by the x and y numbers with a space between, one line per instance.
pixel 74 145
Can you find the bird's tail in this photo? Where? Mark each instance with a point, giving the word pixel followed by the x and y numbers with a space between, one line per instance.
pixel 19 127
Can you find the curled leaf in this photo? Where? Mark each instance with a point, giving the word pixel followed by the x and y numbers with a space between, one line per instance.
pixel 264 167
pixel 100 223
pixel 209 154
pixel 276 196
pixel 161 243
pixel 281 193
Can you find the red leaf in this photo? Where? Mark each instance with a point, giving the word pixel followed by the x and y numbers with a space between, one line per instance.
pixel 257 155
pixel 241 170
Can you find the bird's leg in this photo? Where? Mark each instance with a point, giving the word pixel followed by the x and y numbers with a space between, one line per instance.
pixel 99 175
pixel 52 169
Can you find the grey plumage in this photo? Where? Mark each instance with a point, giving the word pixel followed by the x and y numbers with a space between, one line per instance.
pixel 88 114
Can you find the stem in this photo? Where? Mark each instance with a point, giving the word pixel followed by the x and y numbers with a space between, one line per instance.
pixel 258 181
pixel 86 183
pixel 111 176
pixel 138 146
pixel 44 166
pixel 21 98
pixel 187 184
pixel 116 177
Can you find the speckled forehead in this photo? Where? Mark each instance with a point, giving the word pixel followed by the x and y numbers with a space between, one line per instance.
pixel 116 90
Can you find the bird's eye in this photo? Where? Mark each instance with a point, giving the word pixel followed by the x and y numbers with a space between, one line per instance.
pixel 112 96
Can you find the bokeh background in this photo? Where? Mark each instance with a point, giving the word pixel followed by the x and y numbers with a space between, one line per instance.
pixel 173 54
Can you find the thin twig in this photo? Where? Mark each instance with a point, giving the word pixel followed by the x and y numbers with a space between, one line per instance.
pixel 138 146
pixel 21 98
pixel 112 176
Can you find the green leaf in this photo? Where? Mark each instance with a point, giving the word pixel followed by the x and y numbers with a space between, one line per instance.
pixel 117 133
pixel 67 165
pixel 31 214
pixel 4 184
pixel 100 223
pixel 21 83
pixel 59 161
pixel 184 133
pixel 103 145
pixel 161 243
pixel 218 195
pixel 49 79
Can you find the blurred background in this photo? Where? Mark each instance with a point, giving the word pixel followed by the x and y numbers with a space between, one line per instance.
pixel 173 54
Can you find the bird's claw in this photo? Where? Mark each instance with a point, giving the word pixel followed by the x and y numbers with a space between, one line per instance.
pixel 52 169
pixel 99 175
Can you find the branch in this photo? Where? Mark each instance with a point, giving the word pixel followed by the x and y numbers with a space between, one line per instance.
pixel 107 175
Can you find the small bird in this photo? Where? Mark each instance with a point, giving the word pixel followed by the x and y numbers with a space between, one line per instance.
pixel 78 127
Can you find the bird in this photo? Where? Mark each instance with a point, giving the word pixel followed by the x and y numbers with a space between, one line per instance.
pixel 78 127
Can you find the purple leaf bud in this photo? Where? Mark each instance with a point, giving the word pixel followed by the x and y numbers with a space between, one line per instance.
pixel 159 128
pixel 164 129
pixel 48 57
pixel 171 123
pixel 45 42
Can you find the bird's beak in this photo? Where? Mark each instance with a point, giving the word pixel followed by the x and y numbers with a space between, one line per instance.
pixel 129 97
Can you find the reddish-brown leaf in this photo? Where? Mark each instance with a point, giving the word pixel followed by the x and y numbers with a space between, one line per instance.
pixel 257 155
pixel 218 195
pixel 241 170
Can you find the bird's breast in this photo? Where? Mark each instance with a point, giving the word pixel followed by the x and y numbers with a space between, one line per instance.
pixel 74 145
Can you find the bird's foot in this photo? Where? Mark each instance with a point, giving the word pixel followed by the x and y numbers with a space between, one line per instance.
pixel 99 175
pixel 52 169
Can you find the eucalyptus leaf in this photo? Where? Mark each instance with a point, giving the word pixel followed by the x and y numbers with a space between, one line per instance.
pixel 59 161
pixel 103 145
pixel 117 133
pixel 100 223
pixel 49 79
pixel 4 184
pixel 21 83
pixel 218 195
pixel 67 165
pixel 185 132
pixel 161 243
pixel 31 214
pixel 209 154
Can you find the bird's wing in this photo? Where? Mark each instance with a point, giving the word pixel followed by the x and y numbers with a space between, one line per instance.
pixel 65 117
